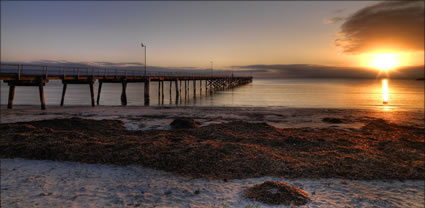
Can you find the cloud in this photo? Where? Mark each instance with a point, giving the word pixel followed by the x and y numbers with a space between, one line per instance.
pixel 397 25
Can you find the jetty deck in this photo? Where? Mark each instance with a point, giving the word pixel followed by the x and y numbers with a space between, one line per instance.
pixel 38 75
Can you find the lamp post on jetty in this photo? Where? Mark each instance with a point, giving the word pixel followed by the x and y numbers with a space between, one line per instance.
pixel 144 46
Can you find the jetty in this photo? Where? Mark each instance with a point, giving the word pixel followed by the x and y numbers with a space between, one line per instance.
pixel 38 75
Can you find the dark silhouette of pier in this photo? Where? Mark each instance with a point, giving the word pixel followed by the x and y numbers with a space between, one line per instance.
pixel 39 75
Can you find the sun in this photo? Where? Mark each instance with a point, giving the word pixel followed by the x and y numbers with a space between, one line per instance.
pixel 384 61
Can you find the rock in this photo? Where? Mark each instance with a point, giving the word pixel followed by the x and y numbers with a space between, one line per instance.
pixel 277 193
pixel 184 123
pixel 333 120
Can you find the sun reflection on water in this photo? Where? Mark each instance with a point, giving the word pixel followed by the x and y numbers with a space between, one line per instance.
pixel 385 93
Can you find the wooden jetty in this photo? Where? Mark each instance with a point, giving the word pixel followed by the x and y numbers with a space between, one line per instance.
pixel 39 75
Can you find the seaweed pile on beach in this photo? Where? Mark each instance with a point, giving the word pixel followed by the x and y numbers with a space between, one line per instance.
pixel 379 150
pixel 277 193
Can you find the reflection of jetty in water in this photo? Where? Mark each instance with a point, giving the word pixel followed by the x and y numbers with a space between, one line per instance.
pixel 385 91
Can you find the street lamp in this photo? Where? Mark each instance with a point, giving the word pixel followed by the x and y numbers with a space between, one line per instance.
pixel 144 46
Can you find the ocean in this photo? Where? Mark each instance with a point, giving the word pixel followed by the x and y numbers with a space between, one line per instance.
pixel 292 93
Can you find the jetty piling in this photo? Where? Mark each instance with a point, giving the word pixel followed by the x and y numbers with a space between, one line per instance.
pixel 147 91
pixel 98 92
pixel 123 92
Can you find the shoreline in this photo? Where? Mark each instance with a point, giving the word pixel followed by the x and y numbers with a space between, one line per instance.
pixel 310 116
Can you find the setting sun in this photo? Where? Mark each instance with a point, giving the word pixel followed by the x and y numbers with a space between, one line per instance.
pixel 384 61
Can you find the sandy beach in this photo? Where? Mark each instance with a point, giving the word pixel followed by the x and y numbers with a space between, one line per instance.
pixel 29 183
pixel 331 175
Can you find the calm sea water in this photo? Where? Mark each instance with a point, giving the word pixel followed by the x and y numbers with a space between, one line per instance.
pixel 301 93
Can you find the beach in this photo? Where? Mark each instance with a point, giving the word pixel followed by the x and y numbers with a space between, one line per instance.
pixel 338 156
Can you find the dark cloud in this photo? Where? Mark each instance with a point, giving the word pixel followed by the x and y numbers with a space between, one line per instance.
pixel 390 24
pixel 319 71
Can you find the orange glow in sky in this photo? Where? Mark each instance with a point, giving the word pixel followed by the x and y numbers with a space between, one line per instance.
pixel 387 61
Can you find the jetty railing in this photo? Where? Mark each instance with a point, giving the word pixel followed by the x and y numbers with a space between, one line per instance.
pixel 53 70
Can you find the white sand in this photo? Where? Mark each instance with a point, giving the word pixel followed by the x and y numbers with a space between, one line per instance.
pixel 28 183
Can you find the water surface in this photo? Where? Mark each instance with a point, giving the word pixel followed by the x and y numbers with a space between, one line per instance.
pixel 300 93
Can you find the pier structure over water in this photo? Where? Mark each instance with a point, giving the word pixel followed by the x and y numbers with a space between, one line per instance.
pixel 39 75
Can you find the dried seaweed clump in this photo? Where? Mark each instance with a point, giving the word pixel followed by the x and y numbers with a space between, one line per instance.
pixel 184 123
pixel 277 193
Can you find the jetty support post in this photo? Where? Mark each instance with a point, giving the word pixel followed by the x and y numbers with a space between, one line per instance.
pixel 185 89
pixel 147 92
pixel 162 91
pixel 11 96
pixel 159 92
pixel 194 88
pixel 200 87
pixel 42 99
pixel 98 92
pixel 91 82
pixel 124 92
pixel 180 88
pixel 206 87
pixel 177 91
pixel 171 86
pixel 159 89
pixel 63 92
pixel 177 88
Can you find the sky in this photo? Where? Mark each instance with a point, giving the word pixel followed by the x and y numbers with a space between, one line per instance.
pixel 188 34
